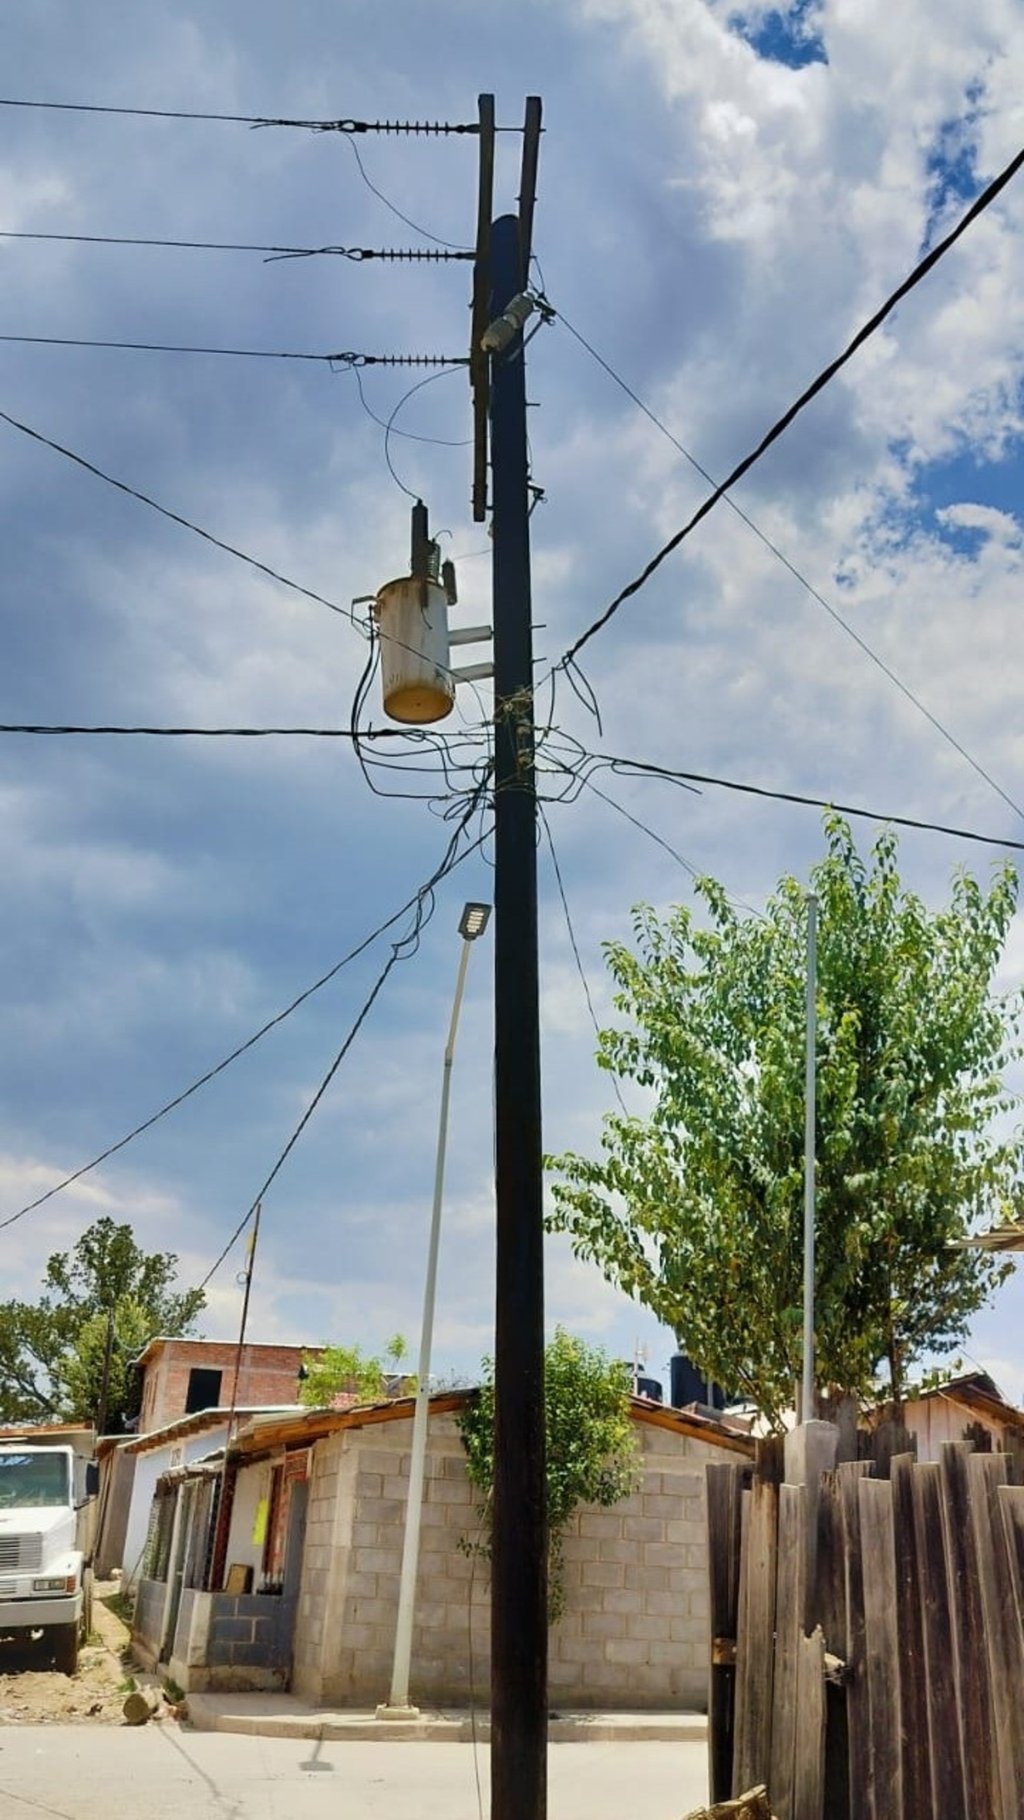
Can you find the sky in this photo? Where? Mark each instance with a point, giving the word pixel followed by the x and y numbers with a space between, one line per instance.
pixel 725 194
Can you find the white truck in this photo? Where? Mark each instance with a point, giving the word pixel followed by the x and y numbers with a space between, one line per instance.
pixel 45 1575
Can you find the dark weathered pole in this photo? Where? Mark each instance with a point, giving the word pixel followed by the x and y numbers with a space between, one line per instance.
pixel 519 1563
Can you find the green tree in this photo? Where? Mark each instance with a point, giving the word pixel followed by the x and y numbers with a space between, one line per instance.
pixel 591 1450
pixel 347 1371
pixel 696 1209
pixel 53 1352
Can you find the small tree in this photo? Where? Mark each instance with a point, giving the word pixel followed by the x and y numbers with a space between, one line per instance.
pixel 591 1450
pixel 696 1210
pixel 344 1371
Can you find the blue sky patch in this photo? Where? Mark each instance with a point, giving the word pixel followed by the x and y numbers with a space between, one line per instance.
pixel 786 35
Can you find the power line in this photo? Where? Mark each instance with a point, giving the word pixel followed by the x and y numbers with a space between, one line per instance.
pixel 416 735
pixel 980 204
pixel 176 517
pixel 429 128
pixel 815 594
pixel 346 359
pixel 188 525
pixel 629 767
pixel 357 254
pixel 403 949
pixel 574 945
pixel 450 245
pixel 158 113
pixel 452 859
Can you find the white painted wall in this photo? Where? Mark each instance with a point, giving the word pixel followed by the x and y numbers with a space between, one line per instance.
pixel 148 1468
pixel 252 1484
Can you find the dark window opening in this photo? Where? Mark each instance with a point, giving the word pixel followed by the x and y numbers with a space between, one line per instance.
pixel 203 1389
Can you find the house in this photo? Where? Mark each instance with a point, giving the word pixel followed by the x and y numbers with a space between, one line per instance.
pixel 181 1377
pixel 966 1408
pixel 296 1583
pixel 175 1445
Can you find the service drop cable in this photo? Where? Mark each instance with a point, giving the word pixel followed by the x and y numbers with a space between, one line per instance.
pixel 978 207
pixel 451 859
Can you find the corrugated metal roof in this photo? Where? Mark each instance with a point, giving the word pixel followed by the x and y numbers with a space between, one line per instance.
pixel 317 1424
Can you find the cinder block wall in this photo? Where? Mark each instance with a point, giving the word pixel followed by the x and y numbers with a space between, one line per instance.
pixel 635 1628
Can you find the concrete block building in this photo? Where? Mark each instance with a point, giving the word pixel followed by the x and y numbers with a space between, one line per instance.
pixel 305 1592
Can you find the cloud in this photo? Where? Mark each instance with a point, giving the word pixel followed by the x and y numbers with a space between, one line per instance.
pixel 717 224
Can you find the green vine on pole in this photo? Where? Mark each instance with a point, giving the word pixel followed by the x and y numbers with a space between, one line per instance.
pixel 591 1449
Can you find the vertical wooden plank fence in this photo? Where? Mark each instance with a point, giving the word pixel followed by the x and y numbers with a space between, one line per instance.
pixel 875 1665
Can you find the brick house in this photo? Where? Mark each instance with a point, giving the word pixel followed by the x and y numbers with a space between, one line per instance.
pixel 182 1377
pixel 306 1593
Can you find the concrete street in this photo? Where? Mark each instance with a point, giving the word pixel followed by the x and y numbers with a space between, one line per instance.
pixel 163 1773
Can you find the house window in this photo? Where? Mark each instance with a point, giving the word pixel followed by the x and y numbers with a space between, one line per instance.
pixel 203 1389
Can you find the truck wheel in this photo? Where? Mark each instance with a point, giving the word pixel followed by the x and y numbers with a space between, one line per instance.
pixel 65 1649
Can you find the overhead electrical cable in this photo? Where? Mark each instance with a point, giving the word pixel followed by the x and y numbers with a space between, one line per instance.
pixel 574 945
pixel 431 129
pixel 451 246
pixel 415 735
pixel 452 858
pixel 158 113
pixel 358 255
pixel 631 767
pixel 343 359
pixel 920 271
pixel 403 949
pixel 815 594
pixel 187 524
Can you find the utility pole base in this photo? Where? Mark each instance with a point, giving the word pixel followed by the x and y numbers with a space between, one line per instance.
pixel 398 1712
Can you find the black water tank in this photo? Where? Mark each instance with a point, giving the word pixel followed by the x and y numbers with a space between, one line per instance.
pixel 688 1385
pixel 649 1388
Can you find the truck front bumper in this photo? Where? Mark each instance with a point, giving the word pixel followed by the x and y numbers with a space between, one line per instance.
pixel 40 1613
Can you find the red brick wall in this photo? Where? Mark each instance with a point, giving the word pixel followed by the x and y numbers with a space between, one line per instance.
pixel 267 1375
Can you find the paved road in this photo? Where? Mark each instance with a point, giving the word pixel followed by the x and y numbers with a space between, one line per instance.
pixel 162 1773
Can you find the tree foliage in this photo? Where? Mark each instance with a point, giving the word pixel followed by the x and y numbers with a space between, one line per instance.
pixel 53 1352
pixel 345 1371
pixel 697 1209
pixel 590 1447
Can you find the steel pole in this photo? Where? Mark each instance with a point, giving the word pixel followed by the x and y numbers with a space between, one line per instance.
pixel 810 1095
pixel 398 1700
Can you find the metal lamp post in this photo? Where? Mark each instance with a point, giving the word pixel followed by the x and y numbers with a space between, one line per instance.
pixel 472 923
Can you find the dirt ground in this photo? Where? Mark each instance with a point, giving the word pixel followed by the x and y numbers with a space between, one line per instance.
pixel 33 1693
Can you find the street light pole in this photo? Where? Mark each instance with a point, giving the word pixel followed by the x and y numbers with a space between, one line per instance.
pixel 810 1105
pixel 472 924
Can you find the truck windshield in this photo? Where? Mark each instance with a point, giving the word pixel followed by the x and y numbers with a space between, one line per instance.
pixel 28 1479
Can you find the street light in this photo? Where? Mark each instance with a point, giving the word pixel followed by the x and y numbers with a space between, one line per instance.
pixel 472 923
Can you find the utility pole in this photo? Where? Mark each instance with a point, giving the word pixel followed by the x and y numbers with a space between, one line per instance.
pixel 519 1620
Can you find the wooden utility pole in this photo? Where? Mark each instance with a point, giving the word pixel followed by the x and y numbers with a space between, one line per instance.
pixel 519 1627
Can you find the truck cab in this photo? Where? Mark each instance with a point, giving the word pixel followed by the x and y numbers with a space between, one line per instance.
pixel 45 1580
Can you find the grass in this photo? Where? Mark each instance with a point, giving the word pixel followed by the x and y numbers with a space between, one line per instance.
pixel 121 1605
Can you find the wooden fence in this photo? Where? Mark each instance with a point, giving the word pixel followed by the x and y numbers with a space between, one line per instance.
pixel 867 1635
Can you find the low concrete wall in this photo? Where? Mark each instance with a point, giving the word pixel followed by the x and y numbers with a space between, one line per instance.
pixel 148 1621
pixel 250 1639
